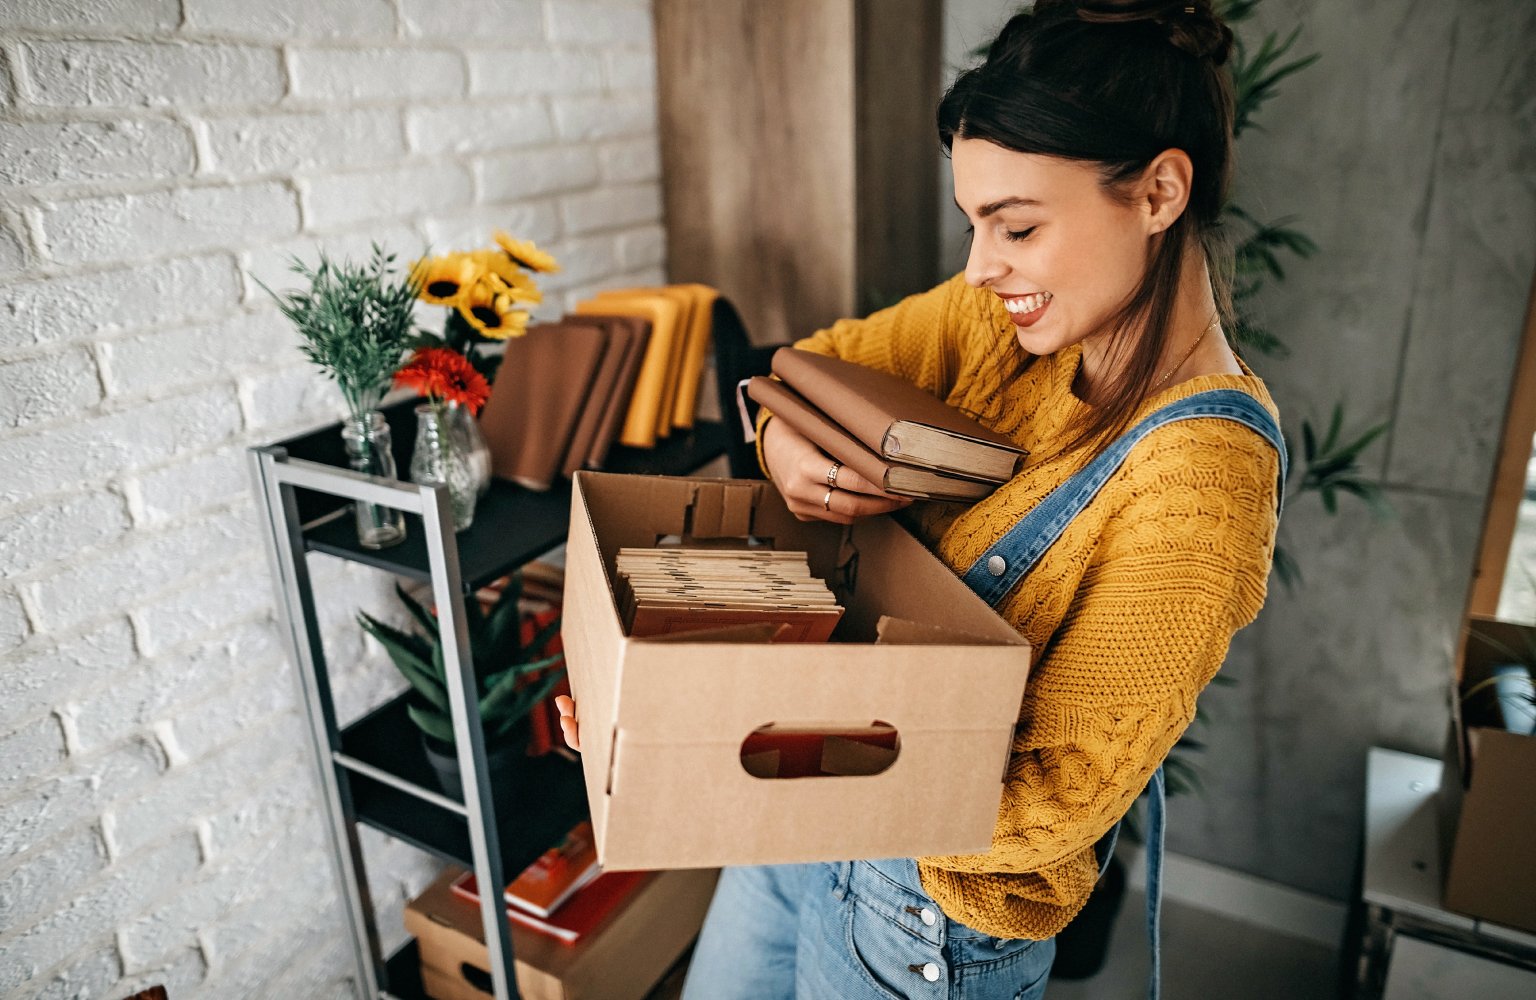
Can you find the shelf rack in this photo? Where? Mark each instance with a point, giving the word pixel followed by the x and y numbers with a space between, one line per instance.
pixel 373 770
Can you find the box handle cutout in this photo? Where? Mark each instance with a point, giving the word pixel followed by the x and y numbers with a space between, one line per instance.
pixel 820 750
pixel 477 978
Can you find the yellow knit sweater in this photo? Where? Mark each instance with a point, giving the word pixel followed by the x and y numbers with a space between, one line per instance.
pixel 1130 613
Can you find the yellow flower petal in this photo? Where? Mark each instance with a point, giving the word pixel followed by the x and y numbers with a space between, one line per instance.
pixel 444 279
pixel 526 254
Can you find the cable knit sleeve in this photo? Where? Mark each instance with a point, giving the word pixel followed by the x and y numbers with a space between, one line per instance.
pixel 1185 536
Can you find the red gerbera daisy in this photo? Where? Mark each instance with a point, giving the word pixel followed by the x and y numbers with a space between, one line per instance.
pixel 446 376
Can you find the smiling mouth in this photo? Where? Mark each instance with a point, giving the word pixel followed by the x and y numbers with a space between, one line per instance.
pixel 1022 305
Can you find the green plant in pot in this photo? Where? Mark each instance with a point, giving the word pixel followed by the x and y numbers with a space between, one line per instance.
pixel 502 663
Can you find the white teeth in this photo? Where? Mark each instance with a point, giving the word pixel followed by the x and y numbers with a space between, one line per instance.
pixel 1027 303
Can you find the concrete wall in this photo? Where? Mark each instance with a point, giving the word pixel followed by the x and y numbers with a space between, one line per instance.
pixel 1407 153
pixel 158 819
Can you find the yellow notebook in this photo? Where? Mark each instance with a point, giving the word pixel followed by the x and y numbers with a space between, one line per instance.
pixel 698 305
pixel 645 405
pixel 695 352
pixel 684 301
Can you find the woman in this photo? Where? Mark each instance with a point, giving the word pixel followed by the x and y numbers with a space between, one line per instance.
pixel 1091 153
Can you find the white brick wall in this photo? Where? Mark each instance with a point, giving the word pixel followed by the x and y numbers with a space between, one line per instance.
pixel 158 818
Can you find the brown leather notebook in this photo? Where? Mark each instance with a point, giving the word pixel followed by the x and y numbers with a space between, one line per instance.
pixel 905 480
pixel 899 421
pixel 601 417
pixel 544 380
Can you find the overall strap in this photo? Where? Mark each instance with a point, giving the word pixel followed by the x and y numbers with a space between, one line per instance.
pixel 1003 565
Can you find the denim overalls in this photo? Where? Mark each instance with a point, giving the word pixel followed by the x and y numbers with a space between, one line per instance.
pixel 851 930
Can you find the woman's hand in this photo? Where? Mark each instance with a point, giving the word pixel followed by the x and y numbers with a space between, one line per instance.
pixel 566 706
pixel 799 469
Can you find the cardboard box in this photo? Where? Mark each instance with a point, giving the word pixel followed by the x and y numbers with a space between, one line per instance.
pixel 1487 792
pixel 664 720
pixel 621 960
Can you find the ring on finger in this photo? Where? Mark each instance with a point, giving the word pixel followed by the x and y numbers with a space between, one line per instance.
pixel 826 501
pixel 832 473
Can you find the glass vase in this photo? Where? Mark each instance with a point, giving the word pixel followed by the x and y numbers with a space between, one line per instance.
pixel 468 428
pixel 368 451
pixel 445 455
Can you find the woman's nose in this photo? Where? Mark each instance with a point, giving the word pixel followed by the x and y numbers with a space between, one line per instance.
pixel 981 267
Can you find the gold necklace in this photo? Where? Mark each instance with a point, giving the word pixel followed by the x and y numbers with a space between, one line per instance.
pixel 1189 354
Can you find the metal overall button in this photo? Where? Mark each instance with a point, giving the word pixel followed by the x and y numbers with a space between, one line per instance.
pixel 923 913
pixel 929 970
pixel 996 565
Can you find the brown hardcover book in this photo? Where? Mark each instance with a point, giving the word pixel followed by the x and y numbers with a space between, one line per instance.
pixel 544 380
pixel 897 420
pixel 904 480
pixel 600 418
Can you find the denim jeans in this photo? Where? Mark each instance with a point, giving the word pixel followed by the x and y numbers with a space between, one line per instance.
pixel 851 930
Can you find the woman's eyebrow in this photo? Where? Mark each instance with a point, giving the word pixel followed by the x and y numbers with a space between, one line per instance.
pixel 992 207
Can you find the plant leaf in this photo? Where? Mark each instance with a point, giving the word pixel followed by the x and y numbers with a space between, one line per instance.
pixel 423 617
pixel 529 697
pixel 436 725
pixel 410 661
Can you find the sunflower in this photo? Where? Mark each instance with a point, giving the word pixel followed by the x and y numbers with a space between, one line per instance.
pixel 525 253
pixel 443 279
pixel 444 375
pixel 505 277
pixel 488 306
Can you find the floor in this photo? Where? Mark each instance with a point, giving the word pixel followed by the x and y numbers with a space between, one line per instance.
pixel 1206 956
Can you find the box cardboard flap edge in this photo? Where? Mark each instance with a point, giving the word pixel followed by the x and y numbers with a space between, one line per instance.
pixel 652 707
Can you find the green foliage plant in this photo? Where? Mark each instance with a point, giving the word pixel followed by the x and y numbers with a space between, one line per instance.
pixel 356 322
pixel 501 664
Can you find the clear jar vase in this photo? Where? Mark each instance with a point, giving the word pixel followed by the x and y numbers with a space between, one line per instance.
pixel 445 455
pixel 468 428
pixel 368 443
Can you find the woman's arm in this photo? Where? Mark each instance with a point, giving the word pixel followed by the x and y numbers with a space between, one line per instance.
pixel 1180 568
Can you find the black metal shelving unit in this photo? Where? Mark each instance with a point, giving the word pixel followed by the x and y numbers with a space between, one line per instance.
pixel 373 771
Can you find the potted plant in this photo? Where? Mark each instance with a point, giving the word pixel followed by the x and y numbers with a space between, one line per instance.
pixel 505 683
pixel 356 322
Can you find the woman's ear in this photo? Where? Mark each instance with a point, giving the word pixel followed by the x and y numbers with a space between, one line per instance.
pixel 1165 188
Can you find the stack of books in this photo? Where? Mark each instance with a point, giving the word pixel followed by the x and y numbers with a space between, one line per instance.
pixel 563 893
pixel 670 590
pixel 623 366
pixel 886 429
pixel 666 392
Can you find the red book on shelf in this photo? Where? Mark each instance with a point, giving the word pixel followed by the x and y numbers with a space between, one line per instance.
pixel 557 873
pixel 584 911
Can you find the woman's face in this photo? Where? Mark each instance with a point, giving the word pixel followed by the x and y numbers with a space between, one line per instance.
pixel 1049 241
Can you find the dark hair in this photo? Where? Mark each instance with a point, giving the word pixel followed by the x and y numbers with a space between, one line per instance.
pixel 1116 83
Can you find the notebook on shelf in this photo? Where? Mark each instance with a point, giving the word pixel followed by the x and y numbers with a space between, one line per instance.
pixel 645 419
pixel 542 385
pixel 612 386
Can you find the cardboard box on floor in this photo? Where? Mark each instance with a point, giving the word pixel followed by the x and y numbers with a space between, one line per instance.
pixel 663 720
pixel 1487 795
pixel 621 960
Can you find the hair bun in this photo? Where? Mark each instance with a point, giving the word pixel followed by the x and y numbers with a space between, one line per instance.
pixel 1191 25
